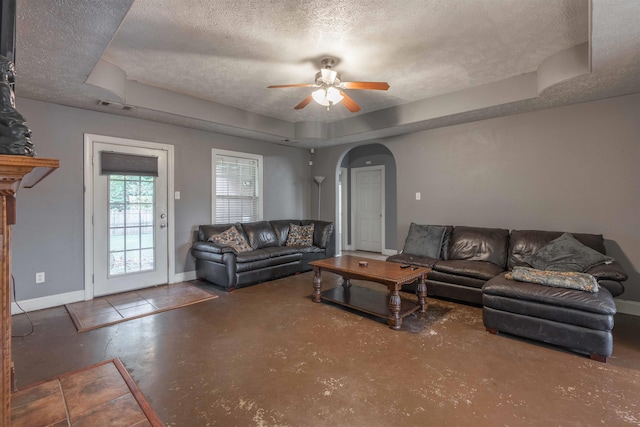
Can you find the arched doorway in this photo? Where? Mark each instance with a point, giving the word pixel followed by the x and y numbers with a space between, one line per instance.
pixel 366 200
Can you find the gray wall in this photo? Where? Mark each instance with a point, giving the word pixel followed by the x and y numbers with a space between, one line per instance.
pixel 49 234
pixel 376 155
pixel 572 168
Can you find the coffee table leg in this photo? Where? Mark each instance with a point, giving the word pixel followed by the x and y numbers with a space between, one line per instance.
pixel 422 294
pixel 317 283
pixel 395 321
pixel 346 282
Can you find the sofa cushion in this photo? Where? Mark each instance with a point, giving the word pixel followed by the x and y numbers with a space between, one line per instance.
pixel 479 244
pixel 413 260
pixel 424 240
pixel 260 234
pixel 536 310
pixel 265 263
pixel 598 302
pixel 322 232
pixel 206 231
pixel 523 243
pixel 232 238
pixel 309 249
pixel 276 251
pixel 445 242
pixel 478 269
pixel 211 247
pixel 281 227
pixel 300 235
pixel 613 271
pixel 616 288
pixel 254 255
pixel 560 279
pixel 455 279
pixel 566 254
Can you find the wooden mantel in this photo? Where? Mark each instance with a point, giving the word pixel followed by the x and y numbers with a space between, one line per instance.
pixel 15 172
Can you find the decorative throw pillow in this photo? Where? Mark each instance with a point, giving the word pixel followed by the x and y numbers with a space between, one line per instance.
pixel 566 254
pixel 232 238
pixel 424 240
pixel 559 279
pixel 300 235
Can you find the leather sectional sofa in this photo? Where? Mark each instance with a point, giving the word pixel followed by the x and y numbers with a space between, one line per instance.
pixel 268 258
pixel 472 266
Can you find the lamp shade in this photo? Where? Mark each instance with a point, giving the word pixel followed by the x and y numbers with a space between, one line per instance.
pixel 319 179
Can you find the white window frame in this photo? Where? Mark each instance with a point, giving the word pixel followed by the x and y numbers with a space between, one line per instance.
pixel 214 153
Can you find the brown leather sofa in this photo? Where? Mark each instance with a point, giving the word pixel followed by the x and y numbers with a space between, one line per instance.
pixel 470 256
pixel 472 267
pixel 269 257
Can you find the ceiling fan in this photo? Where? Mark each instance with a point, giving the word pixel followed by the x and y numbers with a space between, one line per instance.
pixel 331 88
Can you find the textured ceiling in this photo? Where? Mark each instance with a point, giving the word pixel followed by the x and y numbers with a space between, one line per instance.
pixel 229 53
pixel 206 64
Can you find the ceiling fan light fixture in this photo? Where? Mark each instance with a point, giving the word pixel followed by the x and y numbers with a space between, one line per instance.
pixel 328 75
pixel 327 97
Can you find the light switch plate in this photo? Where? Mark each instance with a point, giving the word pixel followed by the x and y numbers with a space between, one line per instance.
pixel 418 195
pixel 177 195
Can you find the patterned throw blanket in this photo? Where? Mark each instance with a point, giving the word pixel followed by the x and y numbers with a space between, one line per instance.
pixel 560 279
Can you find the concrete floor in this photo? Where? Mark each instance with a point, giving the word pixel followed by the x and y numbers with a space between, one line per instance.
pixel 266 355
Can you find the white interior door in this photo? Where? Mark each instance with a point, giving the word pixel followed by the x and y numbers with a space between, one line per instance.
pixel 130 218
pixel 368 208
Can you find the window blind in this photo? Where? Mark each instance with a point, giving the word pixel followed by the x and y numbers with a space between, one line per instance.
pixel 237 189
pixel 112 163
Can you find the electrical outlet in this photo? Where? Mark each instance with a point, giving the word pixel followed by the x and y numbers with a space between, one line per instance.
pixel 40 277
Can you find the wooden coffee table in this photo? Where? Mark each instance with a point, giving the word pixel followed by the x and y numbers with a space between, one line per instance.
pixel 391 305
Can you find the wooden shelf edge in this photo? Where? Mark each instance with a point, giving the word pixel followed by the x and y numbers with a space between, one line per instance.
pixel 28 170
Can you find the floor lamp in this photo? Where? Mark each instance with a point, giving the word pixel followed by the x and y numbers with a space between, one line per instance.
pixel 319 180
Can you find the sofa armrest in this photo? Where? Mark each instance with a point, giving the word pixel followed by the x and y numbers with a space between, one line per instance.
pixel 211 247
pixel 613 271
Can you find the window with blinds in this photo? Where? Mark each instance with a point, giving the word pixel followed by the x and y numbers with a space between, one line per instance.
pixel 237 187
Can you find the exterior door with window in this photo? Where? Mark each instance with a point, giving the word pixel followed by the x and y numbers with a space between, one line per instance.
pixel 130 219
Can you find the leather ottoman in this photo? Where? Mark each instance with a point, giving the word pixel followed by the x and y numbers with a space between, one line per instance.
pixel 577 320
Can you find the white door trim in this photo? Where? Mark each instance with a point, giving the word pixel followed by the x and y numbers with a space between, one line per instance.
pixel 353 204
pixel 344 181
pixel 89 140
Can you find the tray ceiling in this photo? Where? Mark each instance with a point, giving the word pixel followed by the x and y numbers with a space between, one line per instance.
pixel 207 64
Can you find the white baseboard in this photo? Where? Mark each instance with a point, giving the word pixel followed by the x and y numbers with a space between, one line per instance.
pixel 628 306
pixel 183 277
pixel 47 302
pixel 75 296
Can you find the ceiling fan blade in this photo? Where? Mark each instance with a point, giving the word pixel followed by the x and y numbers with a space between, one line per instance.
pixel 349 103
pixel 294 85
pixel 365 85
pixel 304 103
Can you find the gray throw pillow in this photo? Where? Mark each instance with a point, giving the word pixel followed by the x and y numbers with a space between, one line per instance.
pixel 424 240
pixel 566 254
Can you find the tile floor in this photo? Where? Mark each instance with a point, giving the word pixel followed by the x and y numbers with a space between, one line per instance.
pixel 116 308
pixel 96 396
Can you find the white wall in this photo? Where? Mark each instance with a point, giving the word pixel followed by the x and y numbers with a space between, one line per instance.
pixel 49 236
pixel 574 168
